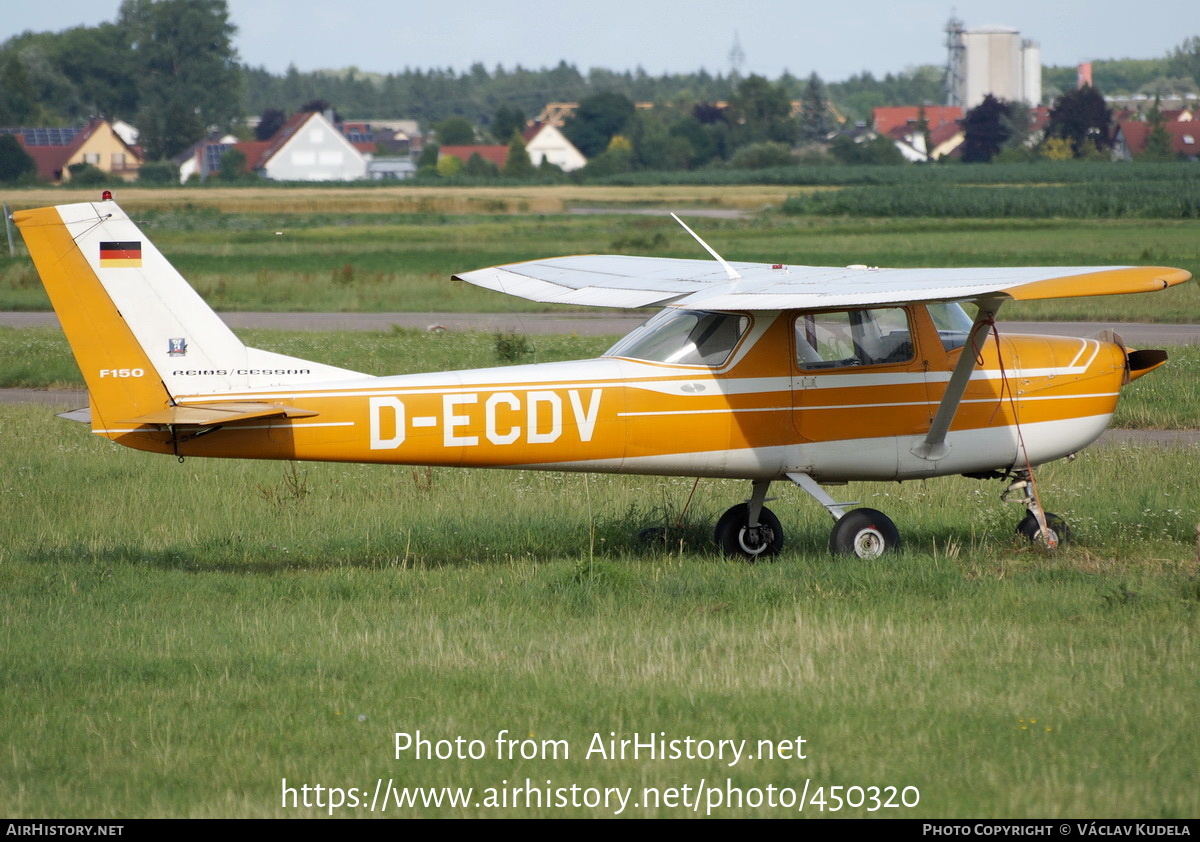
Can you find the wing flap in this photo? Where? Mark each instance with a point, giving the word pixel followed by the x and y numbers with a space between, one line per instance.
pixel 212 414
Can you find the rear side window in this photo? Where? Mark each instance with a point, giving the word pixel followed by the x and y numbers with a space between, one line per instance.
pixel 841 338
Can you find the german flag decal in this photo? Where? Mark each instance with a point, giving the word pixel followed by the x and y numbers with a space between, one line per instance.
pixel 121 255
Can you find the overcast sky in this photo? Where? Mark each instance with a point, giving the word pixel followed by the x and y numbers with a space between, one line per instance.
pixel 836 39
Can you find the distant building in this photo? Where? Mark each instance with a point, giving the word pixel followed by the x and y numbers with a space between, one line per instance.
pixel 395 168
pixel 308 147
pixel 991 60
pixel 395 137
pixel 1173 107
pixel 1131 136
pixel 203 158
pixel 544 142
pixel 887 118
pixel 55 150
pixel 941 137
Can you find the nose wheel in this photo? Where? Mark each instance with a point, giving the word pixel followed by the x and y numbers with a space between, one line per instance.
pixel 1049 530
pixel 1057 533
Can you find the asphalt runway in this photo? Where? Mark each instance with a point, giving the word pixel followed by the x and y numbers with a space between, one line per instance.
pixel 601 324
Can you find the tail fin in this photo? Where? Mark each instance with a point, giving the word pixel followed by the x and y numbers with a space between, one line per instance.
pixel 140 333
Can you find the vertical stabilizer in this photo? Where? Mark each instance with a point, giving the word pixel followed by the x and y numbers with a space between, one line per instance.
pixel 140 333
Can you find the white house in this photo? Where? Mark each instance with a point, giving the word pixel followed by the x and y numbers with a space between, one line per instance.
pixel 545 142
pixel 311 148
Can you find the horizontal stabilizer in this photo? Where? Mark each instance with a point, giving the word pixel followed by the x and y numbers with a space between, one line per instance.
pixel 211 414
pixel 84 415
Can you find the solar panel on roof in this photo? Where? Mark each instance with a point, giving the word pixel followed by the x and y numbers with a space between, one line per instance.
pixel 212 156
pixel 49 136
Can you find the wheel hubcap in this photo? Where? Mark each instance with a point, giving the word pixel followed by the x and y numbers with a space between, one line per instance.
pixel 754 541
pixel 869 543
pixel 1048 538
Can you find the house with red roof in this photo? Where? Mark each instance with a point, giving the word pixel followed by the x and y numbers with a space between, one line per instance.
pixel 543 142
pixel 887 119
pixel 55 150
pixel 1130 139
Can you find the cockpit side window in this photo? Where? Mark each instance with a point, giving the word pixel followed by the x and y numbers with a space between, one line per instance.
pixel 684 337
pixel 842 338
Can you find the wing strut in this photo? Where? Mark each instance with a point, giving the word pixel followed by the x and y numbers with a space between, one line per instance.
pixel 934 446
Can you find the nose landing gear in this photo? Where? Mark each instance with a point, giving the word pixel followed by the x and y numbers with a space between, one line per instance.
pixel 1043 528
pixel 751 531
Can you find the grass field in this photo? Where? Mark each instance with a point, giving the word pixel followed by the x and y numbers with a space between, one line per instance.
pixel 408 199
pixel 178 639
pixel 191 640
pixel 350 250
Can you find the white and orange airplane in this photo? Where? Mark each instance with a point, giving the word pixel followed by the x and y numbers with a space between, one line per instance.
pixel 817 375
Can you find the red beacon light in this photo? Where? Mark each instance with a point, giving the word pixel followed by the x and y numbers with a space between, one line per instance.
pixel 106 196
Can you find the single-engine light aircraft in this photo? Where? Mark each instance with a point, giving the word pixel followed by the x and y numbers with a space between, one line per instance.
pixel 761 372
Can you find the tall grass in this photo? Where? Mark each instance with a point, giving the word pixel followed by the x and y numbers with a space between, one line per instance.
pixel 1091 200
pixel 1040 172
pixel 177 639
pixel 277 262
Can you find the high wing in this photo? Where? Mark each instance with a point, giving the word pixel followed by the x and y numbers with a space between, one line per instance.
pixel 626 281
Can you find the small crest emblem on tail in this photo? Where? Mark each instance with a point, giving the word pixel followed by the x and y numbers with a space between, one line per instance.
pixel 177 347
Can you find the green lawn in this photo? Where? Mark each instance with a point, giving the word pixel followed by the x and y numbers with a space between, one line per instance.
pixel 385 263
pixel 202 639
pixel 179 639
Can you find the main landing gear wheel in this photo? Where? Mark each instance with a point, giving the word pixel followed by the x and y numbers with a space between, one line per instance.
pixel 865 533
pixel 735 537
pixel 1060 530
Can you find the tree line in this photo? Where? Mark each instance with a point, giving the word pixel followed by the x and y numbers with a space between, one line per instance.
pixel 170 68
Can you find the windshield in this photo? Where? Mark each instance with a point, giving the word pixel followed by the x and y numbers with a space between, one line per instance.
pixel 684 337
pixel 952 323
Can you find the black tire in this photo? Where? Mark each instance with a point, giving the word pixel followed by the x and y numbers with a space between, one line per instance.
pixel 1029 530
pixel 865 534
pixel 731 534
